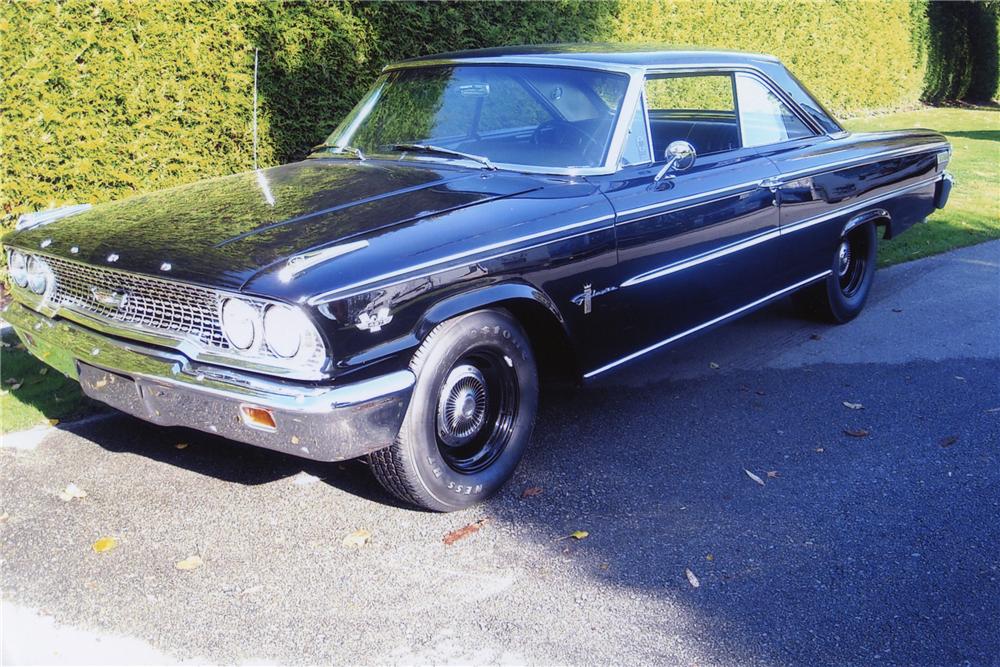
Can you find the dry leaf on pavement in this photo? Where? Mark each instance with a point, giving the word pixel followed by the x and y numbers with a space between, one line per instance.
pixel 772 474
pixel 192 562
pixel 358 538
pixel 692 579
pixel 464 531
pixel 948 441
pixel 579 534
pixel 713 365
pixel 754 477
pixel 856 432
pixel 531 491
pixel 104 544
pixel 853 406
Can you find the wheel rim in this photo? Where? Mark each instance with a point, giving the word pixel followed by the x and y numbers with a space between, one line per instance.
pixel 852 264
pixel 477 410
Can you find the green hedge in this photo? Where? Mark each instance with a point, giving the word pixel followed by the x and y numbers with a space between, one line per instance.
pixel 101 100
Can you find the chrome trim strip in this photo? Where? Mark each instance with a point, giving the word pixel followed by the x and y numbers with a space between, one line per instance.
pixel 860 160
pixel 709 323
pixel 331 295
pixel 668 205
pixel 296 264
pixel 823 217
pixel 701 259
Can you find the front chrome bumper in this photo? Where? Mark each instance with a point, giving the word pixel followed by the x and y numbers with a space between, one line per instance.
pixel 321 422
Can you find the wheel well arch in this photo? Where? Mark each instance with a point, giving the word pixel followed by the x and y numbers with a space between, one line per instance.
pixel 535 312
pixel 878 216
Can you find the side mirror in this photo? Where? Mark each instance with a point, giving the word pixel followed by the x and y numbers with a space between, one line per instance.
pixel 680 157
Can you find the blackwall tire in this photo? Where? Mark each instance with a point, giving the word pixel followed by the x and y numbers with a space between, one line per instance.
pixel 842 296
pixel 470 417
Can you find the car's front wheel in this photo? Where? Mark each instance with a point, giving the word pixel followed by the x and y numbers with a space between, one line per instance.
pixel 841 297
pixel 470 416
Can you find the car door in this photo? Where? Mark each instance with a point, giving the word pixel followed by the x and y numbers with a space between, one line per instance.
pixel 692 244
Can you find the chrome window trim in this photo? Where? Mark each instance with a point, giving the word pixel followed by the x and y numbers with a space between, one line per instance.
pixel 860 160
pixel 705 325
pixel 806 119
pixel 346 291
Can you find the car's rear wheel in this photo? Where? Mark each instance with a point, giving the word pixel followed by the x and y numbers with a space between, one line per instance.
pixel 842 296
pixel 470 416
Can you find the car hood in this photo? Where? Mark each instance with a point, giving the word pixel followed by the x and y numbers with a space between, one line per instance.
pixel 222 231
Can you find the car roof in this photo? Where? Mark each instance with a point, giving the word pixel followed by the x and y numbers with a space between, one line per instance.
pixel 616 55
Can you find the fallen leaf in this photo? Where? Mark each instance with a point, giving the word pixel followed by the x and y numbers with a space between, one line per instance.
pixel 709 557
pixel 53 422
pixel 72 491
pixel 190 563
pixel 100 384
pixel 43 370
pixel 856 432
pixel 531 491
pixel 948 441
pixel 16 386
pixel 358 538
pixel 105 544
pixel 853 406
pixel 754 477
pixel 295 439
pixel 820 450
pixel 960 378
pixel 693 580
pixel 605 566
pixel 579 534
pixel 181 445
pixel 463 532
pixel 897 310
pixel 772 474
pixel 713 365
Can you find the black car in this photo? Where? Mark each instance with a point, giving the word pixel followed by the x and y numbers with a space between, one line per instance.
pixel 479 218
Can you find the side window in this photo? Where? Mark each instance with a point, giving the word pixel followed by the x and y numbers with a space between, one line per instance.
pixel 765 119
pixel 637 142
pixel 699 109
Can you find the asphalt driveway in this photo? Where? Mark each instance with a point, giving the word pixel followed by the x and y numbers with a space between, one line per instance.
pixel 879 547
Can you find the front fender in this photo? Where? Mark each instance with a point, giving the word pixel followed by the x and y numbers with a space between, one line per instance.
pixel 483 297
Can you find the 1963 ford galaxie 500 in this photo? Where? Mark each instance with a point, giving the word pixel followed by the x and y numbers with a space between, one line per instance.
pixel 477 219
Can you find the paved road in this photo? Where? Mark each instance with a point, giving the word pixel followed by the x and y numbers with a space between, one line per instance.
pixel 874 550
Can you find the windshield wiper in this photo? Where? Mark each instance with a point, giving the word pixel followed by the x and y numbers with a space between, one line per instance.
pixel 350 150
pixel 440 150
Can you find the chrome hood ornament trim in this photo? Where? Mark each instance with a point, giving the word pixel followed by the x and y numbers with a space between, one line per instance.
pixel 300 263
pixel 39 218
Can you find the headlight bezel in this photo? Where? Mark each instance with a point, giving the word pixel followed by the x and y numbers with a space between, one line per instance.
pixel 291 320
pixel 39 278
pixel 250 315
pixel 17 265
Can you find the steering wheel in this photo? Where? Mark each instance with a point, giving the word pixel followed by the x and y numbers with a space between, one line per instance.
pixel 563 134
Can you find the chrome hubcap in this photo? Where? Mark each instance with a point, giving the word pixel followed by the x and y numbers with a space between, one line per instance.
pixel 462 405
pixel 844 258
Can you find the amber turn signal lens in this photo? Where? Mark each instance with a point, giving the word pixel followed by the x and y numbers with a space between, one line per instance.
pixel 255 417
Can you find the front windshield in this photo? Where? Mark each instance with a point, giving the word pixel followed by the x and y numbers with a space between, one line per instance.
pixel 512 115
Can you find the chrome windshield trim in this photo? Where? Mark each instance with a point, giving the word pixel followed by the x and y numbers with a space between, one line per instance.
pixel 346 291
pixel 705 325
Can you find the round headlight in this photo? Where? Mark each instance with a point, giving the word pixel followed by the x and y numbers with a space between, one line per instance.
pixel 240 323
pixel 37 274
pixel 284 329
pixel 19 268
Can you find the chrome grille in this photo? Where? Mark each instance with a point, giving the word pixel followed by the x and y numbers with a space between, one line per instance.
pixel 173 309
